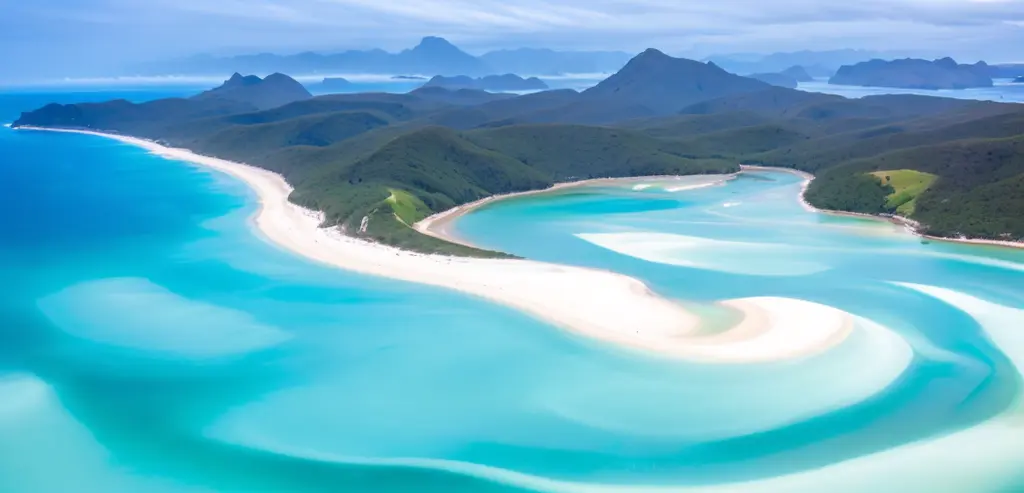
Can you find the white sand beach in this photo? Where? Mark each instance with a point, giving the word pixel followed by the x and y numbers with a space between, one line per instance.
pixel 438 225
pixel 596 303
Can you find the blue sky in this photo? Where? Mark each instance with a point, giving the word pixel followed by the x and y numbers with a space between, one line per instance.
pixel 44 36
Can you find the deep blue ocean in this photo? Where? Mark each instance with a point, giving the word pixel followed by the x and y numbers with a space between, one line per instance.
pixel 152 340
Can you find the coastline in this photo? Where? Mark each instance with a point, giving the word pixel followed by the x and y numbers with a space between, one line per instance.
pixel 910 225
pixel 436 225
pixel 600 304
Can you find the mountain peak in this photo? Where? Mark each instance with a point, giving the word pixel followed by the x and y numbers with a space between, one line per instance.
pixel 239 80
pixel 434 43
pixel 437 56
pixel 652 53
pixel 665 84
pixel 275 90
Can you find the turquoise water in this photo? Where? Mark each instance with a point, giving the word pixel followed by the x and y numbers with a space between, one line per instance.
pixel 1003 91
pixel 151 340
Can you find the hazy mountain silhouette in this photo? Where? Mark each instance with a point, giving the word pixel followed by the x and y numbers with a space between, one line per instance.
pixel 507 82
pixel 798 73
pixel 432 56
pixel 273 91
pixel 817 63
pixel 541 61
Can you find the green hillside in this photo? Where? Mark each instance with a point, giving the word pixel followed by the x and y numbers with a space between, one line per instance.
pixel 907 185
pixel 977 189
pixel 574 152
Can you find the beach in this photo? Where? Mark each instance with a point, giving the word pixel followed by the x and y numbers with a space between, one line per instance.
pixel 596 303
pixel 438 225
pixel 910 225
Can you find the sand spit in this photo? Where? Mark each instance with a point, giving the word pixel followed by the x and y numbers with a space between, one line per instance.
pixel 600 304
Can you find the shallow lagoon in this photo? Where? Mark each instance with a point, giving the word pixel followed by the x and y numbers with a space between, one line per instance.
pixel 151 340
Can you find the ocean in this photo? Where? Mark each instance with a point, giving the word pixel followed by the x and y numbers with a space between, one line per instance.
pixel 1003 91
pixel 152 340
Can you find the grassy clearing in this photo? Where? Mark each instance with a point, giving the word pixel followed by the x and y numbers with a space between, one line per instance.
pixel 394 228
pixel 407 207
pixel 906 186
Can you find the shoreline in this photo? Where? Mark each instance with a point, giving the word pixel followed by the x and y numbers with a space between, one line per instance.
pixel 436 225
pixel 598 304
pixel 909 225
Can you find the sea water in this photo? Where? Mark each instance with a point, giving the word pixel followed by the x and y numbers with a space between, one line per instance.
pixel 1002 91
pixel 152 340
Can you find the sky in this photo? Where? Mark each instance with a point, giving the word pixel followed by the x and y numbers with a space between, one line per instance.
pixel 92 37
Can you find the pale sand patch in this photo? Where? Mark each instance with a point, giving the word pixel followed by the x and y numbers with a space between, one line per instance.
pixel 600 304
pixel 984 458
pixel 683 188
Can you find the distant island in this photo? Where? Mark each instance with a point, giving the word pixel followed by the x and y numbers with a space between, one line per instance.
pixel 507 82
pixel 377 163
pixel 912 73
pixel 1019 80
pixel 798 73
pixel 335 84
pixel 407 77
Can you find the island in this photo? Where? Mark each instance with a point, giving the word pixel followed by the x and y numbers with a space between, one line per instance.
pixel 1019 80
pixel 798 73
pixel 507 82
pixel 911 73
pixel 335 84
pixel 375 165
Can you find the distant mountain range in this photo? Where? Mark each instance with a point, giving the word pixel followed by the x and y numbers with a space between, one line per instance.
pixel 507 82
pixel 432 56
pixel 533 61
pixel 815 63
pixel 912 73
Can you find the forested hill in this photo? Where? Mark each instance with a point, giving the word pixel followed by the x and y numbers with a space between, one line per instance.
pixel 395 158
